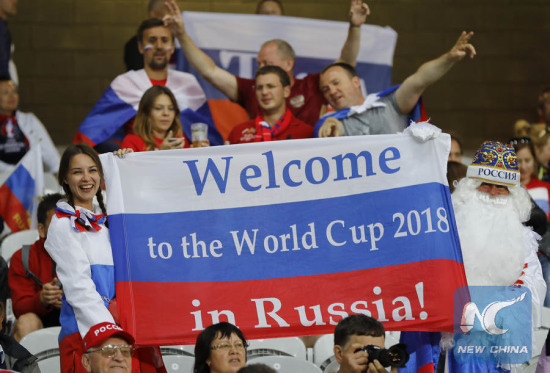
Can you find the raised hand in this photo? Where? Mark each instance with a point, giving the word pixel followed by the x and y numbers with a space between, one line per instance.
pixel 358 13
pixel 173 19
pixel 462 47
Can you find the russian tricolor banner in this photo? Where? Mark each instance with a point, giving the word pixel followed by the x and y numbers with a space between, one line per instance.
pixel 120 102
pixel 20 191
pixel 233 42
pixel 284 238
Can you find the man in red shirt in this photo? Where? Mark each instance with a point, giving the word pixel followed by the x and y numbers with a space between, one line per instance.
pixel 305 100
pixel 36 294
pixel 276 122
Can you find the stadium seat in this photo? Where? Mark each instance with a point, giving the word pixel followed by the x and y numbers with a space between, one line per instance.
pixel 49 365
pixel 44 345
pixel 15 241
pixel 187 350
pixel 178 363
pixel 291 346
pixel 286 364
pixel 323 351
pixel 332 366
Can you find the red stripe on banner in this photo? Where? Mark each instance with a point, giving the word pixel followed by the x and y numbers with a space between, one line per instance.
pixel 417 296
pixel 12 211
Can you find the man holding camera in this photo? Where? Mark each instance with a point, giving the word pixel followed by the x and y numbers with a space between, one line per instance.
pixel 351 335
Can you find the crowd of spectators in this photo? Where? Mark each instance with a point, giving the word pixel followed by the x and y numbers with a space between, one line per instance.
pixel 279 105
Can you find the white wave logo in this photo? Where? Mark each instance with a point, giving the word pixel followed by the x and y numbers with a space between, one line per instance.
pixel 487 318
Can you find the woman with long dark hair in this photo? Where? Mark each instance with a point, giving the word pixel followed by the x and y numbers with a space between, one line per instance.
pixel 78 241
pixel 157 125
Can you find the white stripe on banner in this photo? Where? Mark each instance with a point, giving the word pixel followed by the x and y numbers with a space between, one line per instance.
pixel 308 37
pixel 304 226
pixel 270 173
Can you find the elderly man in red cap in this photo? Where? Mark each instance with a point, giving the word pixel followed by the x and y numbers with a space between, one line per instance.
pixel 108 349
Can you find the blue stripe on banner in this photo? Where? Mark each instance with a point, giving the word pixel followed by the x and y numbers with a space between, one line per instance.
pixel 376 77
pixel 341 234
pixel 21 184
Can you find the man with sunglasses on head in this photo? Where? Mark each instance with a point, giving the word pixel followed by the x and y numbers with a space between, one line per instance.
pixel 108 349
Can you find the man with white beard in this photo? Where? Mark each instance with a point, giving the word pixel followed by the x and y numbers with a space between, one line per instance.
pixel 489 212
pixel 490 206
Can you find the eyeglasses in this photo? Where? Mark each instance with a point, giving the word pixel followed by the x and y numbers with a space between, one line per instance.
pixel 519 140
pixel 227 346
pixel 110 350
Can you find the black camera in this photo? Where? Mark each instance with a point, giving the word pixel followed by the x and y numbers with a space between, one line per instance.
pixel 395 356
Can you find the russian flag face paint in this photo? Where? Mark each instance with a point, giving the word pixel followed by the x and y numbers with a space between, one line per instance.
pixel 149 47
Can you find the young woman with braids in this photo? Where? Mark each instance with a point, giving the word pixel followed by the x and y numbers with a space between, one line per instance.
pixel 78 241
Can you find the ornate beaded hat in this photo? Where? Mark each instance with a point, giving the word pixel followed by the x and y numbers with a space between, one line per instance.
pixel 495 163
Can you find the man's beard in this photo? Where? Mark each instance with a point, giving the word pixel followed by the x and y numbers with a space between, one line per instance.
pixel 492 238
pixel 158 65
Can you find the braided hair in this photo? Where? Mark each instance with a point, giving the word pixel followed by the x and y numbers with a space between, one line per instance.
pixel 69 153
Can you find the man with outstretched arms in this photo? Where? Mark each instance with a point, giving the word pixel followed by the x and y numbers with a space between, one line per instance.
pixel 385 112
pixel 305 100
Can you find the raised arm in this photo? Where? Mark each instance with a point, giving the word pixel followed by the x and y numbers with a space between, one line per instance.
pixel 409 92
pixel 357 16
pixel 218 77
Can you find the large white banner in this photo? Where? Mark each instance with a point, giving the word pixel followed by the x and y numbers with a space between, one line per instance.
pixel 233 42
pixel 284 238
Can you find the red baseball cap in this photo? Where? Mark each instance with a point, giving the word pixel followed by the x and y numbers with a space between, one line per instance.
pixel 99 333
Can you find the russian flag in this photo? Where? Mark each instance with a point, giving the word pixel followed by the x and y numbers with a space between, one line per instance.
pixel 19 193
pixel 310 239
pixel 119 104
